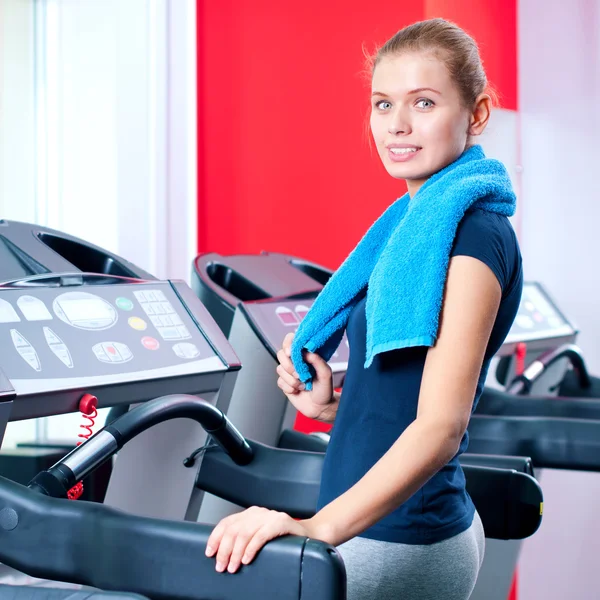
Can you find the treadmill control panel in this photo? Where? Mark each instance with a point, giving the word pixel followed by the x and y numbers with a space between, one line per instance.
pixel 273 319
pixel 121 330
pixel 538 318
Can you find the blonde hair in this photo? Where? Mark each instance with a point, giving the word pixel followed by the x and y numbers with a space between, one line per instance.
pixel 452 45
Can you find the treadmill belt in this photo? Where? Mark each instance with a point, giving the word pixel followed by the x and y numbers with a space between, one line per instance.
pixel 10 592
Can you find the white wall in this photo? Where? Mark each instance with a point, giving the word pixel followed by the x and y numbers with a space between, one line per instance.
pixel 17 151
pixel 98 132
pixel 17 123
pixel 559 82
pixel 117 139
pixel 500 140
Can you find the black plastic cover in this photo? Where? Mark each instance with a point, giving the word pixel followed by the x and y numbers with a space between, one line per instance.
pixel 570 387
pixel 286 480
pixel 498 403
pixel 29 249
pixel 520 464
pixel 553 443
pixel 295 440
pixel 289 480
pixel 91 544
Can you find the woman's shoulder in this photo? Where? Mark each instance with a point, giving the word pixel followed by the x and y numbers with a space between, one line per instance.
pixel 483 228
pixel 483 222
pixel 489 237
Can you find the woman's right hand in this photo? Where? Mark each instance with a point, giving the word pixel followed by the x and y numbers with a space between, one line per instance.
pixel 319 403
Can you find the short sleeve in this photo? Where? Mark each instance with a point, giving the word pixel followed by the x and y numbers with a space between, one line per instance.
pixel 488 237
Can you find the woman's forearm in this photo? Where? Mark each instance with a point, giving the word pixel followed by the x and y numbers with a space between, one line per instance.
pixel 422 450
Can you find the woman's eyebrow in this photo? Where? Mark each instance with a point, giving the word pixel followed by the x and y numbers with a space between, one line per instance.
pixel 416 91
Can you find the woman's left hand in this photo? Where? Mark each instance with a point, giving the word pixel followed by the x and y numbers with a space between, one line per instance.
pixel 237 538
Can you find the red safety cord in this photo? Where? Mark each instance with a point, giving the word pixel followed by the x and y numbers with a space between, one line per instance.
pixel 88 407
pixel 520 355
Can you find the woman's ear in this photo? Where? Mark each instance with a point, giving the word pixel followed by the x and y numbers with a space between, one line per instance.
pixel 480 115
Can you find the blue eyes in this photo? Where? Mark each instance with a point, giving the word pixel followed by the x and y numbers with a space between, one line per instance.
pixel 425 100
pixel 421 103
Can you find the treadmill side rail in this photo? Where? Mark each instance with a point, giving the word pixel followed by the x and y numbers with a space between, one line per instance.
pixel 91 544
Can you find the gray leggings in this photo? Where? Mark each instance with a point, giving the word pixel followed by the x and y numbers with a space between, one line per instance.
pixel 390 571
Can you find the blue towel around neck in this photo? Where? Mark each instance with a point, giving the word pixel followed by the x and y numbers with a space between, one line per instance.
pixel 402 261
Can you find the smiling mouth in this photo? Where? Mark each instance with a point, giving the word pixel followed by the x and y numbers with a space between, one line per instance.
pixel 399 151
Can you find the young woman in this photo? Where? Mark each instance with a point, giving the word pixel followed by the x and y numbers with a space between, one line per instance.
pixel 393 493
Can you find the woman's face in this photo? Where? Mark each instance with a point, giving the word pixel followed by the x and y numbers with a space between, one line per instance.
pixel 418 121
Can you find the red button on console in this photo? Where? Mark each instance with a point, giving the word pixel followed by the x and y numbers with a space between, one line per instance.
pixel 150 343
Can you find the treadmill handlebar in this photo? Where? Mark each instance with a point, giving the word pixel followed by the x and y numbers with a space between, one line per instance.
pixel 523 383
pixel 67 280
pixel 91 544
pixel 62 476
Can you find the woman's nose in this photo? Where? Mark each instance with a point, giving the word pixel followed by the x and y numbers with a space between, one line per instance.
pixel 399 123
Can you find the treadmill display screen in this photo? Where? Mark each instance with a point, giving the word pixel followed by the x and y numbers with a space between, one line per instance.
pixel 538 317
pixel 78 310
pixel 274 319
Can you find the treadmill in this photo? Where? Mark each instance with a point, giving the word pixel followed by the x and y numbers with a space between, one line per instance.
pixel 78 332
pixel 116 333
pixel 257 300
pixel 121 335
pixel 247 286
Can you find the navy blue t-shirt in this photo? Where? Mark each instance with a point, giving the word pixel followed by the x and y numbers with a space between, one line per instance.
pixel 379 403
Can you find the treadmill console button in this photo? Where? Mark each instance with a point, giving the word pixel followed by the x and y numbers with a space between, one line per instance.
pixel 7 313
pixel 112 352
pixel 124 303
pixel 186 350
pixel 301 311
pixel 156 321
pixel 124 351
pixel 166 306
pixel 183 332
pixel 286 316
pixel 157 307
pixel 100 354
pixel 166 321
pixel 150 343
pixel 524 321
pixel 18 340
pixel 51 337
pixel 32 360
pixel 58 347
pixel 169 333
pixel 137 323
pixel 26 350
pixel 33 309
pixel 162 315
pixel 63 354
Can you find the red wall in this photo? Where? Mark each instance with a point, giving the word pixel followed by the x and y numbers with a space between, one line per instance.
pixel 284 162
